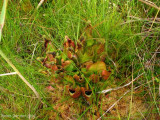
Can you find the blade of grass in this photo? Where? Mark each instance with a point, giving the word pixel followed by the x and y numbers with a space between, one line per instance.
pixel 2 17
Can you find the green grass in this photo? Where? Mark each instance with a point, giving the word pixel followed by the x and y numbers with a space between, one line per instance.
pixel 127 43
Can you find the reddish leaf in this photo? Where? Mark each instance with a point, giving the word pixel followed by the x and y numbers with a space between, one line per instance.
pixel 69 54
pixel 65 63
pixel 105 74
pixel 87 64
pixel 100 48
pixel 78 78
pixel 74 93
pixel 69 43
pixel 78 47
pixel 47 65
pixel 46 43
pixel 50 88
pixel 50 57
pixel 54 67
pixel 86 94
pixel 94 78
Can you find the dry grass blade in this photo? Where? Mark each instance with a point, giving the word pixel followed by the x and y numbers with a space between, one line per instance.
pixel 35 45
pixel 149 3
pixel 12 73
pixel 108 90
pixel 131 101
pixel 40 3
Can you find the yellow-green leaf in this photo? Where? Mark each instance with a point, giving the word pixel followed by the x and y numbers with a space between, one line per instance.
pixel 97 67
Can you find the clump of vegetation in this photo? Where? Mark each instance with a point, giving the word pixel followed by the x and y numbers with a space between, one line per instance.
pixel 80 65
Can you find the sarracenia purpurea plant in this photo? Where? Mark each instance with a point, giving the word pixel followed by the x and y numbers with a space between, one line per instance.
pixel 80 65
